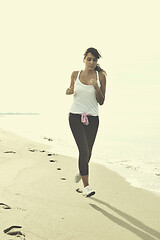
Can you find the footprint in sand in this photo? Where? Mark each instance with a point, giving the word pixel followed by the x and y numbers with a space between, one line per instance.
pixel 9 152
pixel 49 139
pixel 51 154
pixel 36 150
pixel 78 190
pixel 5 206
pixel 43 151
pixel 15 231
pixel 157 174
pixel 52 160
pixel 32 150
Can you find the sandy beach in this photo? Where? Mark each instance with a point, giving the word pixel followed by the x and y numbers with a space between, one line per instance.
pixel 39 199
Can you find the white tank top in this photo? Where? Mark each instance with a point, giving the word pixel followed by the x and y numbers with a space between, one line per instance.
pixel 84 98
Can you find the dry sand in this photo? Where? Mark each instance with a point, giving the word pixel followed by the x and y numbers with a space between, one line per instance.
pixel 38 198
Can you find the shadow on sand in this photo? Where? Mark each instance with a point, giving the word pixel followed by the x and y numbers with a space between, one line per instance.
pixel 140 229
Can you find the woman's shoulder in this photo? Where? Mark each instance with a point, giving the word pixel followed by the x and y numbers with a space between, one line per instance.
pixel 102 74
pixel 74 74
pixel 102 77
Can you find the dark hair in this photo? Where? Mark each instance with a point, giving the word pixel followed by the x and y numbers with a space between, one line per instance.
pixel 97 55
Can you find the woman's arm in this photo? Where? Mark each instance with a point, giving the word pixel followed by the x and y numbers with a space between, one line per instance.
pixel 100 92
pixel 70 90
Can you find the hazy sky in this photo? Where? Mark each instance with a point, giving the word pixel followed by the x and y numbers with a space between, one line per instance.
pixel 42 42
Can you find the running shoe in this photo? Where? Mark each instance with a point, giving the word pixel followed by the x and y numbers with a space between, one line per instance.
pixel 88 191
pixel 77 178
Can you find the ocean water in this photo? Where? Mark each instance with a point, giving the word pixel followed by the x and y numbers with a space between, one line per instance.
pixel 134 156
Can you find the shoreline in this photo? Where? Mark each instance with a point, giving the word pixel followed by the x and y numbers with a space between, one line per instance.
pixel 39 198
pixel 129 178
pixel 139 173
pixel 124 173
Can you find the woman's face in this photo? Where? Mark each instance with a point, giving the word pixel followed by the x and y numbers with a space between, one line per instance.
pixel 90 61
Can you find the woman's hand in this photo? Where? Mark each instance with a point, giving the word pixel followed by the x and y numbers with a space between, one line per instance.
pixel 93 82
pixel 100 91
pixel 69 91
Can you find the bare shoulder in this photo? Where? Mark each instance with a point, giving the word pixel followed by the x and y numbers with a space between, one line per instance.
pixel 102 77
pixel 73 78
pixel 74 75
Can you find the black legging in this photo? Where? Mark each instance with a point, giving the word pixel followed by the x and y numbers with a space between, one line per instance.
pixel 84 137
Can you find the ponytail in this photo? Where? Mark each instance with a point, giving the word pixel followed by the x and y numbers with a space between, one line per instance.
pixel 99 69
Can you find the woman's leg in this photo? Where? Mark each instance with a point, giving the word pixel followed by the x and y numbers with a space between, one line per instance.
pixel 91 132
pixel 79 132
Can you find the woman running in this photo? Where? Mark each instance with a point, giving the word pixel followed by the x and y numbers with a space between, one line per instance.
pixel 88 87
